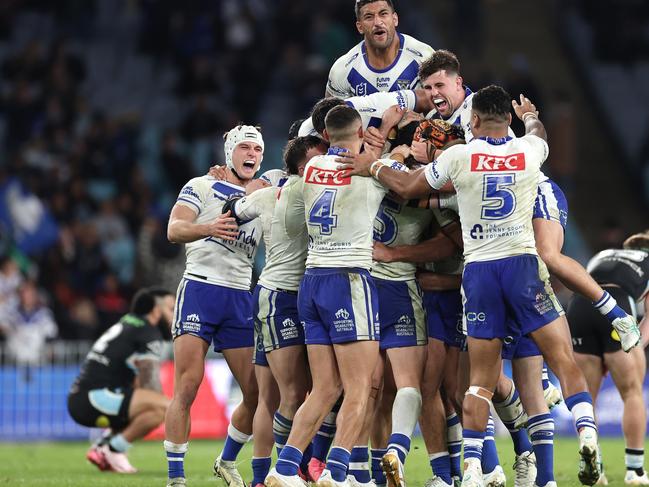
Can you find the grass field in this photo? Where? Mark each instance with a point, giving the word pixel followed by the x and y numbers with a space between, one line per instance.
pixel 64 464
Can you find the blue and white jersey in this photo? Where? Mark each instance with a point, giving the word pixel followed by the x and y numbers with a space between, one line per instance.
pixel 211 259
pixel 496 181
pixel 351 74
pixel 371 108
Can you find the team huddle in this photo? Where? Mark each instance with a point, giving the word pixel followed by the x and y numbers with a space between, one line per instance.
pixel 409 244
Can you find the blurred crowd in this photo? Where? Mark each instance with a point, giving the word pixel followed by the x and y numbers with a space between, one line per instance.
pixel 98 226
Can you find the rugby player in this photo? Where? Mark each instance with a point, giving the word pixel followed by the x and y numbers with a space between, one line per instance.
pixel 495 177
pixel 119 384
pixel 624 274
pixel 278 332
pixel 219 270
pixel 384 60
pixel 337 303
pixel 440 75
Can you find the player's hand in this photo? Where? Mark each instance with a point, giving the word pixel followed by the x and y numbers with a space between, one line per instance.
pixel 373 140
pixel 224 226
pixel 423 152
pixel 400 153
pixel 382 253
pixel 218 172
pixel 256 184
pixel 408 117
pixel 392 116
pixel 356 164
pixel 525 106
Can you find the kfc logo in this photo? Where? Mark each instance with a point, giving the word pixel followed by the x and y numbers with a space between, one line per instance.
pixel 488 162
pixel 326 177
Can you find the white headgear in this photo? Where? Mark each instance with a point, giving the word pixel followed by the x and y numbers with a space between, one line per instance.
pixel 239 134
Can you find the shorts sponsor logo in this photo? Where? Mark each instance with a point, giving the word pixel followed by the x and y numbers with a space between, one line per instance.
pixel 326 177
pixel 342 323
pixel 543 304
pixel 193 317
pixel 488 162
pixel 288 322
pixel 508 340
pixel 404 326
pixel 473 317
pixel 289 330
pixel 192 323
pixel 577 341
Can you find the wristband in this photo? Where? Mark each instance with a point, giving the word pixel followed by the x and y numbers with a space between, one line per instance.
pixel 376 174
pixel 527 115
pixel 372 167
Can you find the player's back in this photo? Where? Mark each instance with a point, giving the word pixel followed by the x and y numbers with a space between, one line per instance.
pixel 496 182
pixel 352 75
pixel 628 269
pixel 340 213
pixel 111 360
pixel 286 254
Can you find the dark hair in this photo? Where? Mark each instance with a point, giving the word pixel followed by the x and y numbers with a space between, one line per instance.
pixel 320 110
pixel 296 149
pixel 295 128
pixel 340 120
pixel 439 60
pixel 145 299
pixel 493 103
pixel 361 3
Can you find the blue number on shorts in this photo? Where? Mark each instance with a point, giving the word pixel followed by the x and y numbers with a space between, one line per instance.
pixel 321 212
pixel 500 200
pixel 385 225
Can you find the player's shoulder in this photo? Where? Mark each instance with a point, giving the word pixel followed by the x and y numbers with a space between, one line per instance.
pixel 224 188
pixel 345 62
pixel 416 49
pixel 536 144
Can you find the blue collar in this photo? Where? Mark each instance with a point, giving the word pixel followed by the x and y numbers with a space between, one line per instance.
pixel 402 41
pixel 334 150
pixel 495 140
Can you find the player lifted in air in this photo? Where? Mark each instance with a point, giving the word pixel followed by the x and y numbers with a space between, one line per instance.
pixel 218 271
pixel 384 60
pixel 119 384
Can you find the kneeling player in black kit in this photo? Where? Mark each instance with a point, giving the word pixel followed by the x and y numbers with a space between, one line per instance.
pixel 624 273
pixel 119 384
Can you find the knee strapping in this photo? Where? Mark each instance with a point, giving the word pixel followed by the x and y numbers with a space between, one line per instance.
pixel 480 392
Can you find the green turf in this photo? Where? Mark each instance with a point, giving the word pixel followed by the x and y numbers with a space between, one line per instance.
pixel 63 464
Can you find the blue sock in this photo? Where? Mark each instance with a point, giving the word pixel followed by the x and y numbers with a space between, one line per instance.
pixel 306 458
pixel 440 463
pixel 289 461
pixel 519 438
pixel 545 380
pixel 281 430
pixel 454 441
pixel 489 452
pixel 176 458
pixel 260 468
pixel 608 307
pixel 401 444
pixel 473 441
pixel 325 436
pixel 581 407
pixel 358 464
pixel 233 444
pixel 541 428
pixel 338 463
pixel 377 472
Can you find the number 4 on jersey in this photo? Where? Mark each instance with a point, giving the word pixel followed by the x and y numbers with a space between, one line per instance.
pixel 321 213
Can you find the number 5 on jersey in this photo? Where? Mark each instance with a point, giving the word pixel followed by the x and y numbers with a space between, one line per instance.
pixel 321 213
pixel 500 201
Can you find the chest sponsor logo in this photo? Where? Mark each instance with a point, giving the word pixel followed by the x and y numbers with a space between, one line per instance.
pixel 382 82
pixel 489 163
pixel 326 177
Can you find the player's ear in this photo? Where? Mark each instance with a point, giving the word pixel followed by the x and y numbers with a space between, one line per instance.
pixel 325 135
pixel 359 27
pixel 509 119
pixel 459 81
pixel 360 132
pixel 395 16
pixel 475 120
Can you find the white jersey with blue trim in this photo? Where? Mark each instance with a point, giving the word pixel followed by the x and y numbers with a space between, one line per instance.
pixel 340 213
pixel 370 107
pixel 351 74
pixel 495 181
pixel 212 259
pixel 259 204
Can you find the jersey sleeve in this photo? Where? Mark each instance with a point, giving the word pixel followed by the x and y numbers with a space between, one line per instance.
pixel 539 147
pixel 337 84
pixel 193 195
pixel 252 206
pixel 438 172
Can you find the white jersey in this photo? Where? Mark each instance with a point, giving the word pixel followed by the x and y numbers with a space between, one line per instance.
pixel 286 254
pixel 352 75
pixel 496 185
pixel 340 213
pixel 212 259
pixel 259 204
pixel 370 108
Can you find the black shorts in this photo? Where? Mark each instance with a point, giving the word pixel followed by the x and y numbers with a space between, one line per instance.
pixel 591 332
pixel 100 408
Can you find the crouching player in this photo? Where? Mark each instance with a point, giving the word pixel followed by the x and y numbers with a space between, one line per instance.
pixel 119 384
